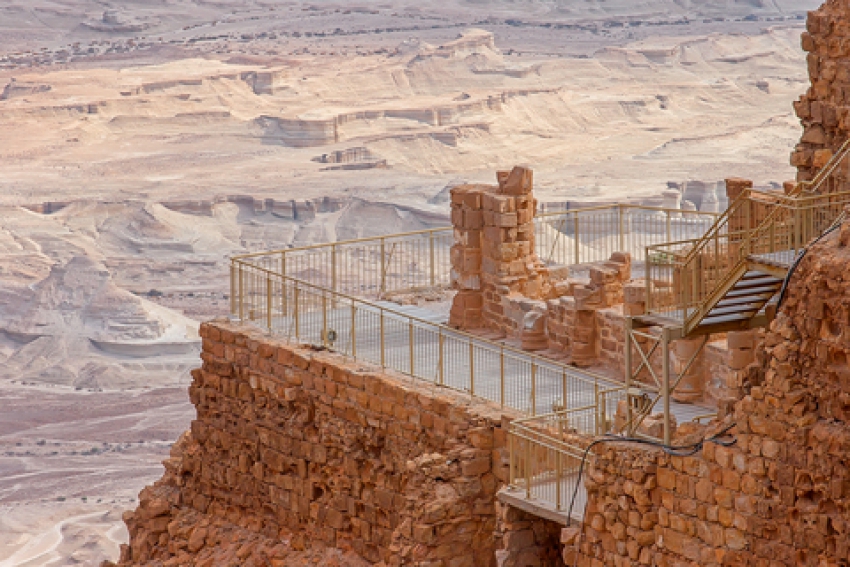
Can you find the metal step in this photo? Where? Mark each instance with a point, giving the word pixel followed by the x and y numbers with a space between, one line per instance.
pixel 758 282
pixel 753 309
pixel 745 300
pixel 724 319
pixel 752 292
pixel 752 274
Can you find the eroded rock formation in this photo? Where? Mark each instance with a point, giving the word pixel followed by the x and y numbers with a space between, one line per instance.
pixel 825 109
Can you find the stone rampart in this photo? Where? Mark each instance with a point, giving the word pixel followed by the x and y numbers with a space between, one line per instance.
pixel 292 440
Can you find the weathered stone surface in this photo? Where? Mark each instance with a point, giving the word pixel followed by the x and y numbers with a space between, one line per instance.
pixel 493 272
pixel 824 110
pixel 324 453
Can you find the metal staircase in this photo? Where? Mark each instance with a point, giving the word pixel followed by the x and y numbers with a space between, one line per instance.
pixel 727 279
pixel 730 278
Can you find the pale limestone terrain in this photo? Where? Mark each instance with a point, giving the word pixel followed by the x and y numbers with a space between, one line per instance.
pixel 144 145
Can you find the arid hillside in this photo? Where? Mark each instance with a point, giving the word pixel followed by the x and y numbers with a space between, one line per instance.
pixel 144 144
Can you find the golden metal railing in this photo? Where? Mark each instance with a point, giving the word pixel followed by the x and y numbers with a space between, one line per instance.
pixel 366 331
pixel 546 451
pixel 684 278
pixel 367 267
pixel 592 234
pixel 400 263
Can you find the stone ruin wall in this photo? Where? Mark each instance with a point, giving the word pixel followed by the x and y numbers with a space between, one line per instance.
pixel 781 494
pixel 493 256
pixel 503 290
pixel 296 445
pixel 825 108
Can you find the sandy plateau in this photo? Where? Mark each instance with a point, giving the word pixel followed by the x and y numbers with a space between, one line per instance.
pixel 143 143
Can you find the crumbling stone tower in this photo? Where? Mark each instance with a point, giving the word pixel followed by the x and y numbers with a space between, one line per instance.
pixel 494 256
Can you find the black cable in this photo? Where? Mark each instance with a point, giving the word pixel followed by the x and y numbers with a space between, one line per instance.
pixel 802 254
pixel 674 450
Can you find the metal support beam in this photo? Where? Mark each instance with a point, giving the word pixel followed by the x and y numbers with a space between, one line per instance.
pixel 665 385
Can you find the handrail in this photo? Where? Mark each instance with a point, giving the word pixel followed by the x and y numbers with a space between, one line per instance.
pixel 701 268
pixel 393 339
pixel 419 261
pixel 543 215
pixel 546 452
pixel 506 348
pixel 826 171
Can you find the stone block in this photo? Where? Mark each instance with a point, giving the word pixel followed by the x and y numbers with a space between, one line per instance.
pixel 519 181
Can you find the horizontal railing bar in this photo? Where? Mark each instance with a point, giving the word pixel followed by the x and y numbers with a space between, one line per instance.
pixel 545 416
pixel 584 376
pixel 567 212
pixel 626 207
pixel 341 243
pixel 549 443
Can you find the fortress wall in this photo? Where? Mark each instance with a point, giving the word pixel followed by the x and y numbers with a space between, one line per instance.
pixel 825 108
pixel 289 439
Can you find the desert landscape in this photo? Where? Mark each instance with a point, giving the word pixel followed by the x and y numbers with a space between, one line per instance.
pixel 144 143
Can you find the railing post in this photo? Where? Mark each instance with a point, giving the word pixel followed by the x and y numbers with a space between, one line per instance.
pixel 577 245
pixel 512 462
pixel 565 403
pixel 410 340
pixel 383 268
pixel 527 468
pixel 297 314
pixel 533 388
pixel 324 320
pixel 471 368
pixel 558 476
pixel 232 288
pixel 269 302
pixel 622 229
pixel 596 427
pixel 333 267
pixel 669 227
pixel 665 369
pixel 502 374
pixel 648 279
pixel 284 299
pixel 602 418
pixel 383 356
pixel 628 363
pixel 433 273
pixel 241 293
pixel 353 330
pixel 440 358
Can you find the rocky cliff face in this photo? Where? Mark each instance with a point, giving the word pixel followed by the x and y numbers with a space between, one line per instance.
pixel 825 109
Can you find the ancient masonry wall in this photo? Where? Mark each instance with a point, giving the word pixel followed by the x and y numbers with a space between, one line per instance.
pixel 781 494
pixel 289 439
pixel 493 259
pixel 825 108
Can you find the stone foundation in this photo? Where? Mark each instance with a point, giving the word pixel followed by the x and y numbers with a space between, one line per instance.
pixel 290 440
